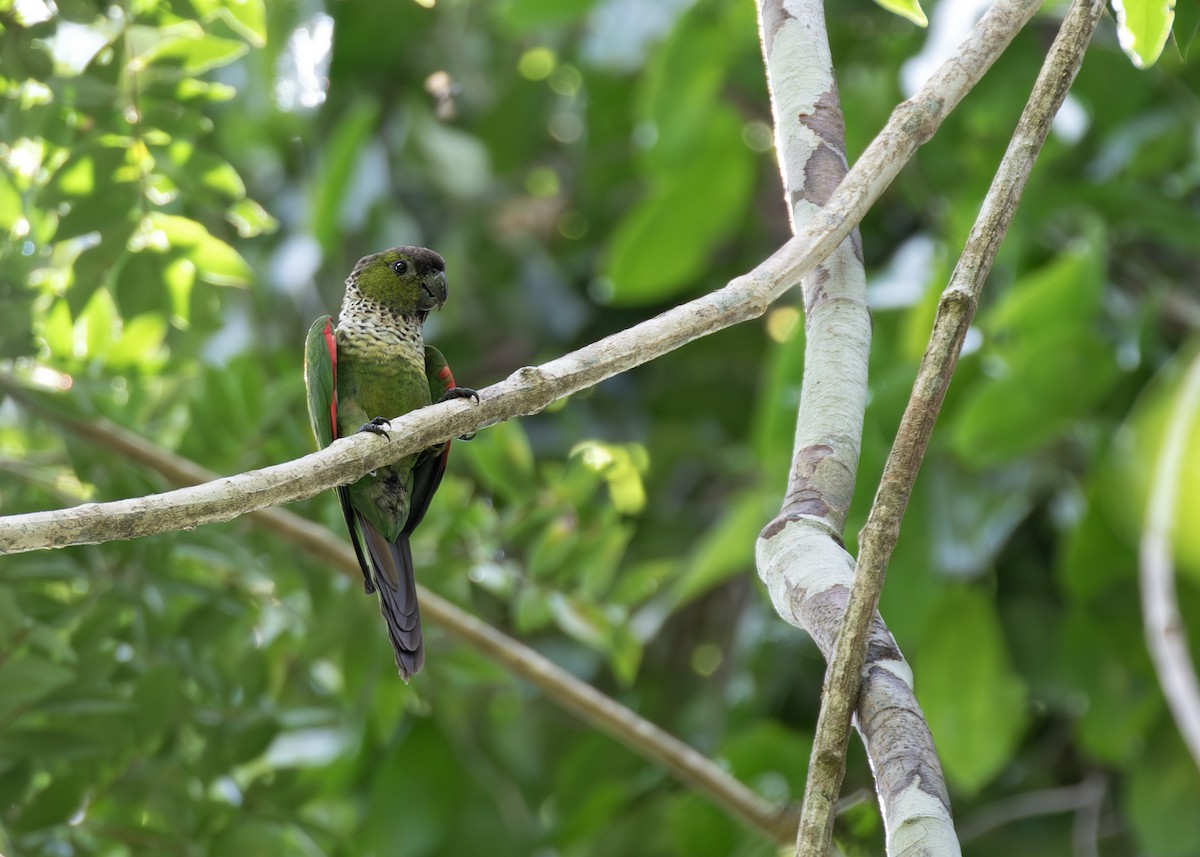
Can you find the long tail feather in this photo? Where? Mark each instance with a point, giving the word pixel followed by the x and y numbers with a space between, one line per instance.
pixel 397 586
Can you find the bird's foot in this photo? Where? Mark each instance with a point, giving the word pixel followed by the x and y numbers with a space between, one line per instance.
pixel 460 393
pixel 376 426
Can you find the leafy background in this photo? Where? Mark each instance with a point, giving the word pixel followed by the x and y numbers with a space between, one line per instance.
pixel 184 185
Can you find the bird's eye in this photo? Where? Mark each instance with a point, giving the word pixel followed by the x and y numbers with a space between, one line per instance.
pixel 400 267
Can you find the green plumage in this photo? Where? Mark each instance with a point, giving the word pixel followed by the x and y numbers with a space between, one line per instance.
pixel 372 366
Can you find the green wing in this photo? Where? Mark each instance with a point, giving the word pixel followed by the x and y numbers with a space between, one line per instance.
pixel 437 371
pixel 320 379
pixel 430 464
pixel 320 362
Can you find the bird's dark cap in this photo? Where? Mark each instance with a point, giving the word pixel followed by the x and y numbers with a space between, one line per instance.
pixel 422 258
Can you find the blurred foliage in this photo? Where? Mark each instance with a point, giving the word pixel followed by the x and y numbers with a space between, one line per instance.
pixel 185 183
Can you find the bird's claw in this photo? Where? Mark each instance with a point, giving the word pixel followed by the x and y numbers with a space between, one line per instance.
pixel 376 426
pixel 458 393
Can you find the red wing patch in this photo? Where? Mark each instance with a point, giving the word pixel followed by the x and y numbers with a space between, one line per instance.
pixel 446 377
pixel 331 345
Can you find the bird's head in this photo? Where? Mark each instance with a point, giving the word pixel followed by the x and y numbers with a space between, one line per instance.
pixel 407 280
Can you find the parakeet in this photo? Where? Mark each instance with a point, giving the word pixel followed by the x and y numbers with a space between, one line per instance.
pixel 372 365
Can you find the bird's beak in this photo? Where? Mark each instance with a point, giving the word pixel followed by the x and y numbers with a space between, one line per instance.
pixel 433 292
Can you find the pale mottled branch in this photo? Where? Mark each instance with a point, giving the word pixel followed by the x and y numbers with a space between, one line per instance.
pixel 1166 635
pixel 810 145
pixel 596 709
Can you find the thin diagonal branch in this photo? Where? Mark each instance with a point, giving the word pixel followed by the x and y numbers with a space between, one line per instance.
pixel 531 389
pixel 598 710
pixel 955 311
pixel 1166 635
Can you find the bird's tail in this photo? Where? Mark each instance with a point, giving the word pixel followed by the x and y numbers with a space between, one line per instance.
pixel 393 566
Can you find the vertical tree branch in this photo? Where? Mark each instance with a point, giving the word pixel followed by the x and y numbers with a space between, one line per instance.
pixel 810 144
pixel 1166 635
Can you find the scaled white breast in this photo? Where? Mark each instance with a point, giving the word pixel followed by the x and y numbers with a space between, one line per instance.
pixel 367 327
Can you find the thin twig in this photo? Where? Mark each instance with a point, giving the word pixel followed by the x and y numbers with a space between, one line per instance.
pixel 1085 829
pixel 1087 793
pixel 878 538
pixel 593 707
pixel 531 389
pixel 1166 635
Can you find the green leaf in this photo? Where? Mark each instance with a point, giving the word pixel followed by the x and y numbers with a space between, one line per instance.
pixel 908 9
pixel 596 561
pixel 257 837
pixel 54 804
pixel 1143 27
pixel 250 219
pixel 531 609
pixel 456 162
pixel 502 459
pixel 11 207
pixel 97 325
pixel 138 285
pixel 972 515
pixel 972 696
pixel 1065 292
pixel 96 266
pixel 140 343
pixel 179 276
pixel 57 332
pixel 216 262
pixel 248 18
pixel 1187 24
pixel 1095 556
pixel 217 175
pixel 624 654
pixel 1164 792
pixel 431 801
pixel 99 212
pixel 621 466
pixel 774 429
pixel 1126 474
pixel 342 155
pixel 1105 659
pixel 683 85
pixel 524 15
pixel 552 545
pixel 27 679
pixel 662 247
pixel 11 618
pixel 14 784
pixel 766 751
pixel 724 549
pixel 185 44
pixel 1047 386
pixel 584 622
